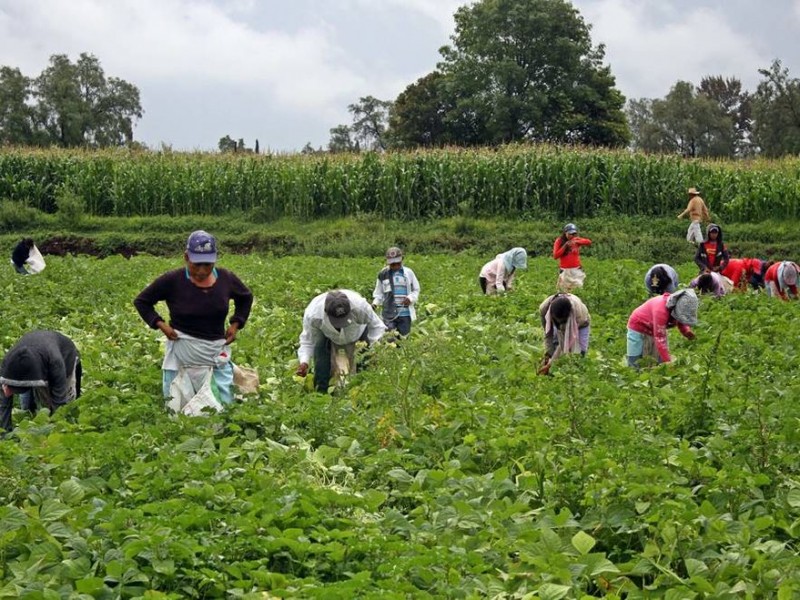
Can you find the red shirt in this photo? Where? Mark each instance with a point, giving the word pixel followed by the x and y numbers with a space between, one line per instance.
pixel 569 257
pixel 738 271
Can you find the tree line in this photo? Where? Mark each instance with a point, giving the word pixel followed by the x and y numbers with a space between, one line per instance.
pixel 526 71
pixel 515 71
pixel 68 105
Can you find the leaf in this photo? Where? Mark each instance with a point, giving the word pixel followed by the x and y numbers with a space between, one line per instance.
pixel 400 475
pixel 90 585
pixel 12 518
pixel 52 510
pixel 793 498
pixel 695 567
pixel 583 542
pixel 551 591
pixel 71 492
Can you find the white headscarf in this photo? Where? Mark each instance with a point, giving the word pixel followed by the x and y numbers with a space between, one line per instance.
pixel 515 258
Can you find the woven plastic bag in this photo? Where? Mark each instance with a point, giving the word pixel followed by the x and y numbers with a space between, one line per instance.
pixel 193 391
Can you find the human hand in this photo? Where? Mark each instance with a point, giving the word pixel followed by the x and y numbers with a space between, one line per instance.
pixel 230 334
pixel 302 370
pixel 690 335
pixel 168 331
pixel 406 301
pixel 7 391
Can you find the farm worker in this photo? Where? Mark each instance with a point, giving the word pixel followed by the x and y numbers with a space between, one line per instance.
pixel 712 254
pixel 738 270
pixel 698 212
pixel 565 320
pixel 566 249
pixel 396 291
pixel 712 283
pixel 21 254
pixel 781 278
pixel 198 297
pixel 661 278
pixel 758 271
pixel 498 275
pixel 44 368
pixel 648 324
pixel 332 324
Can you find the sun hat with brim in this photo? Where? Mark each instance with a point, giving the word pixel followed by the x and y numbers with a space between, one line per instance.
pixel 692 191
pixel 683 306
pixel 337 308
pixel 201 247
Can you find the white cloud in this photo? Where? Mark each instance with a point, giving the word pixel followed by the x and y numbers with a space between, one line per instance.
pixel 650 50
pixel 439 11
pixel 179 41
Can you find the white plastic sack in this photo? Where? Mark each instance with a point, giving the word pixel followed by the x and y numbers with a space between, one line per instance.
pixel 35 261
pixel 191 391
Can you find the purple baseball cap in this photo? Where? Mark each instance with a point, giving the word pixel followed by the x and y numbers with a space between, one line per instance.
pixel 201 247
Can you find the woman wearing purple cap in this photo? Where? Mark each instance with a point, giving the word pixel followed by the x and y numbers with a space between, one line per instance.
pixel 198 297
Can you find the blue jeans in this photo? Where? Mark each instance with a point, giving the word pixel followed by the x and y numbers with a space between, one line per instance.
pixel 400 324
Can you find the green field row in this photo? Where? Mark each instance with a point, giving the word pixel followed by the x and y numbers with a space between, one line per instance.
pixel 507 182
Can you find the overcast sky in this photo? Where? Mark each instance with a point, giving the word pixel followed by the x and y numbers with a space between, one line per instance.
pixel 284 71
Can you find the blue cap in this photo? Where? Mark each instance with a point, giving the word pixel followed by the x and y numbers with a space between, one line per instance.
pixel 201 247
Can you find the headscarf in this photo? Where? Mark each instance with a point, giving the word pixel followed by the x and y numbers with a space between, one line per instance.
pixel 683 306
pixel 516 258
pixel 787 274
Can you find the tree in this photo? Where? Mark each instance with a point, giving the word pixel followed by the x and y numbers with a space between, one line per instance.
pixel 227 144
pixel 342 140
pixel 527 70
pixel 776 112
pixel 16 114
pixel 78 106
pixel 737 105
pixel 370 119
pixel 420 114
pixel 685 122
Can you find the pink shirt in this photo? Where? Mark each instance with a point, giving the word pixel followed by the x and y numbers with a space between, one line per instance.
pixel 652 318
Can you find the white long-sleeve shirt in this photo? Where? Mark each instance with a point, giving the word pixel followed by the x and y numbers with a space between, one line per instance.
pixel 316 325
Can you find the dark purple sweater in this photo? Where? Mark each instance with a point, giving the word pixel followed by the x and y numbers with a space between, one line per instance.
pixel 197 311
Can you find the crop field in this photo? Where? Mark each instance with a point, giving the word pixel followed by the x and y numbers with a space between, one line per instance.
pixel 447 468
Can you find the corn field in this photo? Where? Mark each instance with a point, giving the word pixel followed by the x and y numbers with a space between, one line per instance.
pixel 510 181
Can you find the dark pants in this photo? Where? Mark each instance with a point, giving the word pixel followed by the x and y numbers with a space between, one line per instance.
pixel 400 324
pixel 482 281
pixel 21 270
pixel 322 362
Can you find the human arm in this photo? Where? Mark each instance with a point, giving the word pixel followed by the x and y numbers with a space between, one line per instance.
pixel 413 288
pixel 579 241
pixel 724 259
pixel 242 304
pixel 147 299
pixel 659 317
pixel 686 331
pixel 700 258
pixel 309 337
pixel 685 211
pixel 375 326
pixel 377 293
pixel 560 247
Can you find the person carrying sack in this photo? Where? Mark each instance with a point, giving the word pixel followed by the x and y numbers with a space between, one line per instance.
pixel 198 297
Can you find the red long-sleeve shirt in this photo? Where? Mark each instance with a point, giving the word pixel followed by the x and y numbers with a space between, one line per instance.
pixel 569 257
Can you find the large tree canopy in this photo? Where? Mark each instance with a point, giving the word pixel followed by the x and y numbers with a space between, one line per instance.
pixel 686 122
pixel 520 70
pixel 776 111
pixel 68 104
